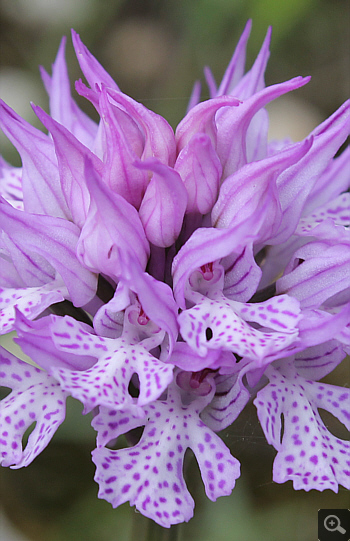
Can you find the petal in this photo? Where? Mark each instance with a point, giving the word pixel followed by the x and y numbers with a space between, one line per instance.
pixel 210 80
pixel 323 273
pixel 207 245
pixel 35 339
pixel 32 268
pixel 195 96
pixel 328 231
pixel 163 205
pixel 62 106
pixel 215 325
pixel 36 398
pixel 92 95
pixel 318 326
pixel 257 137
pixel 9 276
pixel 318 361
pixel 95 74
pixel 120 173
pixel 308 454
pixel 32 301
pixel 241 194
pixel 233 124
pixel 253 80
pixel 208 279
pixel 296 182
pixel 149 475
pixel 106 383
pixel 280 313
pixel 108 320
pixel 111 223
pixel 187 359
pixel 55 240
pixel 343 336
pixel 201 119
pixel 242 275
pixel 231 396
pixel 200 170
pixel 159 141
pixel 10 182
pixel 44 195
pixel 156 297
pixel 334 180
pixel 235 69
pixel 275 259
pixel 130 122
pixel 337 210
pixel 71 156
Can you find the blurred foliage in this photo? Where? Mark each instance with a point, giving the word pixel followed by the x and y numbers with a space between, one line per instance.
pixel 309 37
pixel 155 49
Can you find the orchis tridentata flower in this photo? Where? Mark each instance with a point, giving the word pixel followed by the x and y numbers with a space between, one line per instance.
pixel 197 270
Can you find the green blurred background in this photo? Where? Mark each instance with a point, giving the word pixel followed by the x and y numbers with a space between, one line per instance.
pixel 155 50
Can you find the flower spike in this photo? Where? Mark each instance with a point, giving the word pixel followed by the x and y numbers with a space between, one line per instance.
pixel 166 278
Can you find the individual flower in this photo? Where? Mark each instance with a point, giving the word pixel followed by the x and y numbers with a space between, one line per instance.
pixel 165 279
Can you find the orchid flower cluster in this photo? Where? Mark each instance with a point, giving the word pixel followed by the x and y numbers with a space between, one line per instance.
pixel 164 280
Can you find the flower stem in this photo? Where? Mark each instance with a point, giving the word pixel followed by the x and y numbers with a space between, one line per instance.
pixel 174 533
pixel 155 532
pixel 158 533
pixel 145 529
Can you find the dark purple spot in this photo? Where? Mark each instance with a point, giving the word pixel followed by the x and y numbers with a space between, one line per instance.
pixel 289 458
pixel 111 480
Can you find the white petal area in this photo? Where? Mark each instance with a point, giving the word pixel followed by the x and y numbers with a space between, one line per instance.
pixel 37 398
pixel 215 325
pixel 106 383
pixel 150 474
pixel 308 454
pixel 31 301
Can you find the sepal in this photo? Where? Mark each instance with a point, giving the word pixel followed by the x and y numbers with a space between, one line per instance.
pixel 164 203
pixel 200 170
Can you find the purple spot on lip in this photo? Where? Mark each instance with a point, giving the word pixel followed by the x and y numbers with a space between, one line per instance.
pixel 111 480
pixel 270 308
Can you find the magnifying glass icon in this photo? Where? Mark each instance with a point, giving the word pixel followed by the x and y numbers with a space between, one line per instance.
pixel 332 524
